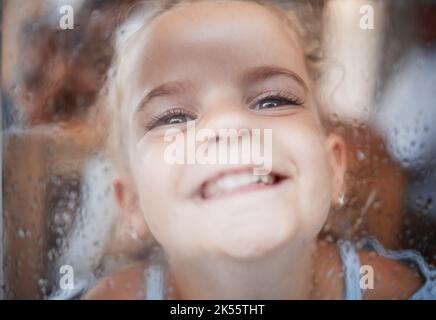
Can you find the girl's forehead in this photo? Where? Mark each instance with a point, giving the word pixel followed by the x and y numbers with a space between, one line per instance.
pixel 223 38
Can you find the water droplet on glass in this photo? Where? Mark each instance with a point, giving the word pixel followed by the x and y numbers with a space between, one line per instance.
pixel 360 155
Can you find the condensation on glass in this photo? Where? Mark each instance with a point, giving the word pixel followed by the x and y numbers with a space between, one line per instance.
pixel 57 203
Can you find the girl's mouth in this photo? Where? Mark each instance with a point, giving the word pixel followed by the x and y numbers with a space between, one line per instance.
pixel 236 182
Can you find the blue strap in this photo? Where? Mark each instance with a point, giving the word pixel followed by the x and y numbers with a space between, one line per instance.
pixel 155 282
pixel 350 269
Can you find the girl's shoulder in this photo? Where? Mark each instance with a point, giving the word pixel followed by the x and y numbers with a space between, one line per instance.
pixel 127 284
pixel 405 269
pixel 341 267
pixel 392 279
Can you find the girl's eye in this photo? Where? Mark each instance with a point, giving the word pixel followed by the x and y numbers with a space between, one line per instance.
pixel 170 117
pixel 275 102
pixel 176 119
pixel 271 103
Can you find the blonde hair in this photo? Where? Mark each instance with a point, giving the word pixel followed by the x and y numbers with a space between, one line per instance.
pixel 293 13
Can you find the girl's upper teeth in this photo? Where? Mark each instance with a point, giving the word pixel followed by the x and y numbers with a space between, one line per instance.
pixel 233 181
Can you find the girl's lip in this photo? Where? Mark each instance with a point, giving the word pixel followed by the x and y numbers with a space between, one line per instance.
pixel 198 194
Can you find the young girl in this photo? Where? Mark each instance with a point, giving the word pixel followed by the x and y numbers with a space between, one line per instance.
pixel 225 232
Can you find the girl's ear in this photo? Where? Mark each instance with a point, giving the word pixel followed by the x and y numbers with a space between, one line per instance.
pixel 131 213
pixel 338 159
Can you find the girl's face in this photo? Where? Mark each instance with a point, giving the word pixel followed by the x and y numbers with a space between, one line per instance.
pixel 225 65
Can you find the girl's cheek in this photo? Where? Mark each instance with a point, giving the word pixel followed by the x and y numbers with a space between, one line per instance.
pixel 154 172
pixel 144 157
pixel 302 135
pixel 303 142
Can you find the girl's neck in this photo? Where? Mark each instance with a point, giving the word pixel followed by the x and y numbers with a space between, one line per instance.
pixel 284 274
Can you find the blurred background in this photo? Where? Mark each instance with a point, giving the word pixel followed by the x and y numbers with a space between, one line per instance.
pixel 57 208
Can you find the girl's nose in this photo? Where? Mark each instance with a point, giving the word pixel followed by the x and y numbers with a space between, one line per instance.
pixel 229 115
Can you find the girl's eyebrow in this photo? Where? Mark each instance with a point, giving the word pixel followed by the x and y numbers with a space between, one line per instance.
pixel 168 88
pixel 257 74
pixel 253 75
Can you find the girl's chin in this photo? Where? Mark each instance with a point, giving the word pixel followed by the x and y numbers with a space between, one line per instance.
pixel 250 252
pixel 252 246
